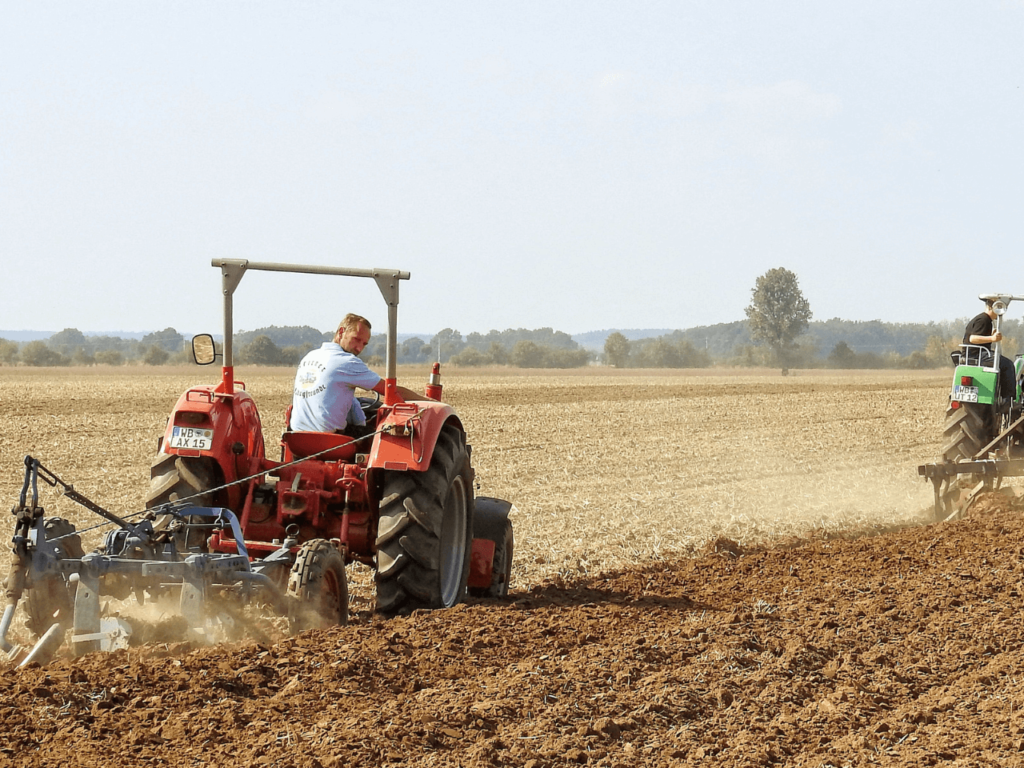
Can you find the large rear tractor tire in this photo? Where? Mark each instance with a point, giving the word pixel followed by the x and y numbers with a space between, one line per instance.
pixel 52 599
pixel 318 587
pixel 966 431
pixel 490 521
pixel 426 531
pixel 173 478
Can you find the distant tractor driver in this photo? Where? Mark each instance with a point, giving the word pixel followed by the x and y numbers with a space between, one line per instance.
pixel 980 333
pixel 324 398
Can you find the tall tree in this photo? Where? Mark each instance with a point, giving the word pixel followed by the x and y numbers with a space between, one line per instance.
pixel 262 351
pixel 67 342
pixel 778 313
pixel 446 343
pixel 616 350
pixel 168 340
pixel 8 352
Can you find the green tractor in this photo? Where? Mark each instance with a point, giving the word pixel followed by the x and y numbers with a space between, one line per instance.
pixel 981 420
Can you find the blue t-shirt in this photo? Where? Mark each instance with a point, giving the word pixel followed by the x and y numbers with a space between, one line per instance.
pixel 324 399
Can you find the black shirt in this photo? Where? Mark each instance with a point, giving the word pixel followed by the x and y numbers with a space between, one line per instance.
pixel 979 326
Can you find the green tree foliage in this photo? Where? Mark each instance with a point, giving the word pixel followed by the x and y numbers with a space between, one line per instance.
pixel 544 337
pixel 8 352
pixel 657 353
pixel 37 353
pixel 616 350
pixel 470 357
pixel 168 340
pixel 262 351
pixel 413 350
pixel 155 355
pixel 565 358
pixel 68 342
pixel 109 357
pixel 669 351
pixel 300 336
pixel 292 355
pixel 778 312
pixel 82 356
pixel 842 356
pixel 527 354
pixel 498 354
pixel 449 342
pixel 377 349
pixel 937 350
pixel 108 343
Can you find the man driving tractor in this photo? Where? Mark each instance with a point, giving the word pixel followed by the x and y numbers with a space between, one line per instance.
pixel 324 397
pixel 979 332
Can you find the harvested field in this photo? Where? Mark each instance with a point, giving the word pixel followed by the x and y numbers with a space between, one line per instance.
pixel 687 590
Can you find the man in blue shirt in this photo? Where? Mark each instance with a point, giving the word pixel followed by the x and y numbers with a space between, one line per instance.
pixel 324 398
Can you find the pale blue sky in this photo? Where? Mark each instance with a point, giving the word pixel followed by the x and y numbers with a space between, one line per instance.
pixel 580 165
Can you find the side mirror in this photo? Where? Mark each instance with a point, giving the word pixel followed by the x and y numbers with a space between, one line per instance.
pixel 204 351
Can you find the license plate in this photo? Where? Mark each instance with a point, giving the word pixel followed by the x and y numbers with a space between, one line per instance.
pixel 193 438
pixel 965 394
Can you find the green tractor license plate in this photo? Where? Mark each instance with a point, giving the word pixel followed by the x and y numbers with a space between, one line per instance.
pixel 965 394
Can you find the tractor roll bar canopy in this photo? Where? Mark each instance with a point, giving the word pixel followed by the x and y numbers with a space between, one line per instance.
pixel 232 271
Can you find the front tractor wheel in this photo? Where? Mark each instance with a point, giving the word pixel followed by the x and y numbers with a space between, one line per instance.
pixel 318 587
pixel 966 431
pixel 426 531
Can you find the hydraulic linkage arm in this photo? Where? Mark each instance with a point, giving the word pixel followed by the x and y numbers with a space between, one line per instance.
pixel 34 470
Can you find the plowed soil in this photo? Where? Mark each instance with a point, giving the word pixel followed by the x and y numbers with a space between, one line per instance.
pixel 687 588
pixel 900 649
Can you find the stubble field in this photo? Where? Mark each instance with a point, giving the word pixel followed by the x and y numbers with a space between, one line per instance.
pixel 605 470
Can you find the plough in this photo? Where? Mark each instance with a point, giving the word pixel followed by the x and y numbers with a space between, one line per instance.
pixel 62 584
pixel 958 484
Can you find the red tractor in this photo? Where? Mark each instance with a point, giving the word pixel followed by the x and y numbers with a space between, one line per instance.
pixel 400 499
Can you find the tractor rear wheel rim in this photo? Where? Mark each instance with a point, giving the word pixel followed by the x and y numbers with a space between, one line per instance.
pixel 453 542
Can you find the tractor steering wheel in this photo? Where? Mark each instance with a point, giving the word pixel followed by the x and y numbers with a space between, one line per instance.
pixel 369 405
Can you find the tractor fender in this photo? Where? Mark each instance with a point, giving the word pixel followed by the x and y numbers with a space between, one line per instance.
pixel 984 380
pixel 408 435
pixel 234 424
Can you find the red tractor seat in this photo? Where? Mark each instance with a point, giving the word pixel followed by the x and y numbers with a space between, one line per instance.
pixel 302 444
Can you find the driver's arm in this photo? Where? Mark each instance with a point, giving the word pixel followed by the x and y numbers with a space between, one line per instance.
pixel 403 392
pixel 976 339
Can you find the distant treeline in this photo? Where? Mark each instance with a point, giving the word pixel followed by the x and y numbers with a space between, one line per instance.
pixel 72 347
pixel 540 348
pixel 826 344
pixel 849 344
